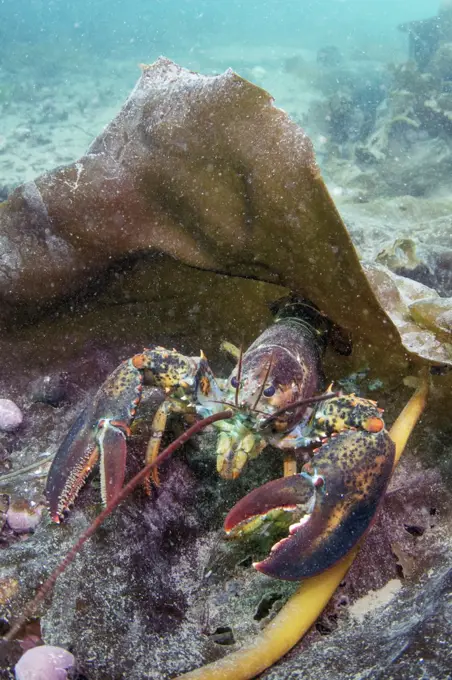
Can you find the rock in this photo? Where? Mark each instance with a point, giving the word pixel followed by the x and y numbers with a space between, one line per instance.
pixel 10 415
pixel 50 389
pixel 44 663
pixel 4 504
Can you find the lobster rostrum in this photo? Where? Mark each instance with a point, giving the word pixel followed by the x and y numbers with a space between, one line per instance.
pixel 274 394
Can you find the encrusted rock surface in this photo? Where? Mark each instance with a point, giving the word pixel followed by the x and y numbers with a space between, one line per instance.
pixel 409 637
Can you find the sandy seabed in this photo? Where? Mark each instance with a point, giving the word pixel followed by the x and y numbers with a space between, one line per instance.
pixel 51 120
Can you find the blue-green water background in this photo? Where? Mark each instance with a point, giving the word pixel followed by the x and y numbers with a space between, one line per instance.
pixel 144 29
pixel 66 67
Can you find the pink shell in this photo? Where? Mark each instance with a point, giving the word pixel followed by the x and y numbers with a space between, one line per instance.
pixel 44 663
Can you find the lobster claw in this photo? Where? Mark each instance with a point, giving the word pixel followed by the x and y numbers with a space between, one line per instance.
pixel 340 491
pixel 78 454
pixel 100 431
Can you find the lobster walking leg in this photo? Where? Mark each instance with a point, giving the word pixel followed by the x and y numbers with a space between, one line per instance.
pixel 158 428
pixel 153 447
pixel 290 465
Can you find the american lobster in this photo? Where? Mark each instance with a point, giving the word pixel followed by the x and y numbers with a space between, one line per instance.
pixel 273 393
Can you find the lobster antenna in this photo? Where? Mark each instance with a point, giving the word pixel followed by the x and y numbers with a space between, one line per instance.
pixel 229 404
pixel 262 387
pixel 239 376
pixel 300 402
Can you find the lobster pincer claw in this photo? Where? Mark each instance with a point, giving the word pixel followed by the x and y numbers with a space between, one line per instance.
pixel 98 433
pixel 77 453
pixel 339 492
pixel 76 457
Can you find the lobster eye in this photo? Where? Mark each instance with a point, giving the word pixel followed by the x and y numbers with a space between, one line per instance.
pixel 269 391
pixel 234 382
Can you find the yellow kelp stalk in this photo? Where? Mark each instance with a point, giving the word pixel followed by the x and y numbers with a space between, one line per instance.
pixel 304 607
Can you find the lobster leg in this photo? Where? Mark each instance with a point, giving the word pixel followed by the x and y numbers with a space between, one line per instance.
pixel 290 465
pixel 153 447
pixel 158 428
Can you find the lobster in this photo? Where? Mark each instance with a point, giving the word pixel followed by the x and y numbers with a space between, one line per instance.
pixel 273 393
